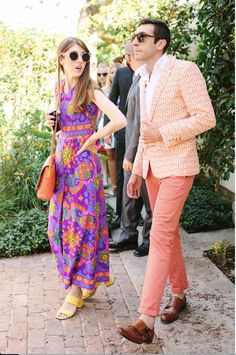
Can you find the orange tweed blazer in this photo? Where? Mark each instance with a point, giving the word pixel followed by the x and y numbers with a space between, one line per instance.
pixel 181 109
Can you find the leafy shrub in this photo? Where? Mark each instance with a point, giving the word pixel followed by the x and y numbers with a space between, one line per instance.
pixel 19 171
pixel 26 233
pixel 224 250
pixel 110 215
pixel 204 210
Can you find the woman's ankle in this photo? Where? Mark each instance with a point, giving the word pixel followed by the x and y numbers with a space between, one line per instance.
pixel 75 291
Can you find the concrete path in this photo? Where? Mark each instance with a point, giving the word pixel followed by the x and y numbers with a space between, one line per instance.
pixel 31 293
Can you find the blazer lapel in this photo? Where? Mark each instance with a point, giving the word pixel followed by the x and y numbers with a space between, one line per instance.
pixel 143 116
pixel 161 84
pixel 135 82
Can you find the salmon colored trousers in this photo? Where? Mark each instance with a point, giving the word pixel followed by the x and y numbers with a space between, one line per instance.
pixel 165 260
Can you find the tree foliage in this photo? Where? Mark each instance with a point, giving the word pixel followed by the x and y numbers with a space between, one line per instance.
pixel 215 57
pixel 27 60
pixel 115 21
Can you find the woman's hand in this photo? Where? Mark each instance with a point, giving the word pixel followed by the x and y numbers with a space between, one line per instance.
pixel 90 145
pixel 50 119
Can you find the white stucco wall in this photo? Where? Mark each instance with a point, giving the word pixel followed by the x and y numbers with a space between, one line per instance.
pixel 230 184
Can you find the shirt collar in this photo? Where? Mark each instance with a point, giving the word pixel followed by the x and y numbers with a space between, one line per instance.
pixel 160 63
pixel 137 71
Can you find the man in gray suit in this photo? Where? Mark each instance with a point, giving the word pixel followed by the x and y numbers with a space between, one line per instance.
pixel 131 208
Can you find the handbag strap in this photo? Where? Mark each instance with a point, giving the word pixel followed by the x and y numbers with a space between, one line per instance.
pixel 51 161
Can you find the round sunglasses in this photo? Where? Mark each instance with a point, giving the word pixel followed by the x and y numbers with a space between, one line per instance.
pixel 101 74
pixel 84 56
pixel 140 36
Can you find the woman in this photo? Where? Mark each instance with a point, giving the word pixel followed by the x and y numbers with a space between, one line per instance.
pixel 110 141
pixel 102 74
pixel 102 77
pixel 77 229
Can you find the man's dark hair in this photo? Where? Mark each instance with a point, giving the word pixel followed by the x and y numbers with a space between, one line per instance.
pixel 161 30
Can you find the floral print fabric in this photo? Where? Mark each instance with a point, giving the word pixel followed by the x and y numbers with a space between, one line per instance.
pixel 77 228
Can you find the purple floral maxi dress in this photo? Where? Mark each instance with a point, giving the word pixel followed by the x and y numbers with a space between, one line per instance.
pixel 77 228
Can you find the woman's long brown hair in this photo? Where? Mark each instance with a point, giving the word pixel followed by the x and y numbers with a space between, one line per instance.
pixel 84 88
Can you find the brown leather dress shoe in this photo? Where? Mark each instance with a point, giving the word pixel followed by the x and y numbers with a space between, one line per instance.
pixel 138 332
pixel 172 310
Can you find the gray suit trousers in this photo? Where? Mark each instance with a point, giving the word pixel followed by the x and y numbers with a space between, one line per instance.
pixel 131 209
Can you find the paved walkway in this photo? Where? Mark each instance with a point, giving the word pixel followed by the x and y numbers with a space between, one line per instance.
pixel 31 293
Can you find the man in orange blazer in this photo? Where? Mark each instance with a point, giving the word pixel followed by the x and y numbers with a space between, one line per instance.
pixel 175 108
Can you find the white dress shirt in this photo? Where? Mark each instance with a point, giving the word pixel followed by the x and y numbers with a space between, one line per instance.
pixel 151 80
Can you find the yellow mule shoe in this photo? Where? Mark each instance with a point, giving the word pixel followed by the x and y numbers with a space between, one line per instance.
pixel 64 313
pixel 89 293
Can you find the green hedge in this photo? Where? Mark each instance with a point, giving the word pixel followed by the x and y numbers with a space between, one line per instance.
pixel 204 210
pixel 24 234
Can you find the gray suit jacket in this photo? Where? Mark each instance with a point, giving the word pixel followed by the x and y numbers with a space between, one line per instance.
pixel 132 131
pixel 119 91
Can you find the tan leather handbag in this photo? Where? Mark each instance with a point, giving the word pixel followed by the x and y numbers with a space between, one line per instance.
pixel 47 180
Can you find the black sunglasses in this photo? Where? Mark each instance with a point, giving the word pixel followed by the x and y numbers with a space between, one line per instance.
pixel 84 56
pixel 140 36
pixel 102 74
